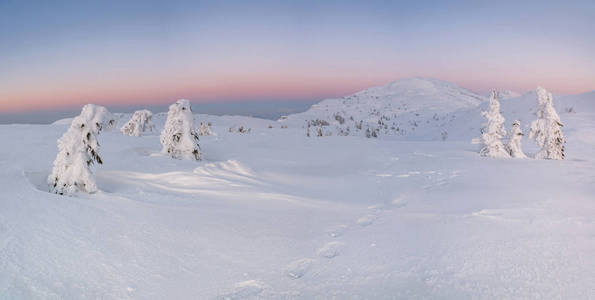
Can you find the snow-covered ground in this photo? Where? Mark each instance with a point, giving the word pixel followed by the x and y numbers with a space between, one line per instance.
pixel 274 214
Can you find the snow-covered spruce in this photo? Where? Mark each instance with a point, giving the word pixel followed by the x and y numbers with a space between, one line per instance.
pixel 205 129
pixel 514 143
pixel 491 137
pixel 547 129
pixel 179 137
pixel 78 148
pixel 139 123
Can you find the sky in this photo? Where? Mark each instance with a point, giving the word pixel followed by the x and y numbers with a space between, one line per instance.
pixel 59 55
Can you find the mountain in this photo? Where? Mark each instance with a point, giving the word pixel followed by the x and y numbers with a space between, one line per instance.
pixel 505 94
pixel 424 109
pixel 413 108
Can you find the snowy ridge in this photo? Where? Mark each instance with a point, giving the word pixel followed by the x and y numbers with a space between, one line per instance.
pixel 507 94
pixel 424 109
pixel 412 108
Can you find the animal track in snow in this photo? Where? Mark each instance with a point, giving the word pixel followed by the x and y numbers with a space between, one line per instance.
pixel 399 201
pixel 337 231
pixel 423 154
pixel 384 175
pixel 298 268
pixel 245 290
pixel 330 250
pixel 376 208
pixel 367 220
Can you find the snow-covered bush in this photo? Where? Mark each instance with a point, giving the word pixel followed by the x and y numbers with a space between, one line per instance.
pixel 514 143
pixel 547 129
pixel 444 135
pixel 491 137
pixel 139 123
pixel 240 129
pixel 205 129
pixel 179 137
pixel 78 148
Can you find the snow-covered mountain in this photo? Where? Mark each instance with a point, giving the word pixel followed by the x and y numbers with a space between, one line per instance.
pixel 506 94
pixel 423 109
pixel 414 107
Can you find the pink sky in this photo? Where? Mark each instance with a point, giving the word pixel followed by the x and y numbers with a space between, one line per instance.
pixel 110 52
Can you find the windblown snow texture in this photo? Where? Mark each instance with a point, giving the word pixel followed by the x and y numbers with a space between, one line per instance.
pixel 274 214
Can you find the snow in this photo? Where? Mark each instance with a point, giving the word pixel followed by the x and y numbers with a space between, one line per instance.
pixel 514 147
pixel 507 94
pixel 78 148
pixel 493 130
pixel 274 214
pixel 409 108
pixel 179 136
pixel 547 129
pixel 139 123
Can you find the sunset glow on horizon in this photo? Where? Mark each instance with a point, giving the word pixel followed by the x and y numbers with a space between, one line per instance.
pixel 67 53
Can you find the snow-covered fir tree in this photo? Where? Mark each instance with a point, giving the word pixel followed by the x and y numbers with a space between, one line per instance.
pixel 140 122
pixel 78 149
pixel 205 129
pixel 491 137
pixel 514 143
pixel 179 137
pixel 547 129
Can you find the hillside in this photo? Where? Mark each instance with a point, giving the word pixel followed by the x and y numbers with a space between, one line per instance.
pixel 423 109
pixel 414 108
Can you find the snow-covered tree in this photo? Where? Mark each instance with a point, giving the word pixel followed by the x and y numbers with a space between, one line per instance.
pixel 139 123
pixel 78 149
pixel 514 143
pixel 491 137
pixel 547 129
pixel 179 137
pixel 205 129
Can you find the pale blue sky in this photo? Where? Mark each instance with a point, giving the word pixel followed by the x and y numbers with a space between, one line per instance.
pixel 66 53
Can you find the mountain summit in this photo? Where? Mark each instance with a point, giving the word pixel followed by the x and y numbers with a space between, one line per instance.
pixel 397 108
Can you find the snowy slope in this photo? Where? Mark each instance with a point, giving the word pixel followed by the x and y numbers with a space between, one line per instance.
pixel 424 109
pixel 469 123
pixel 273 214
pixel 414 108
pixel 506 94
